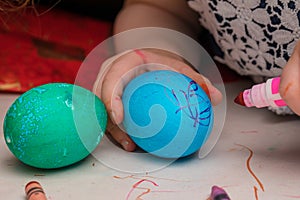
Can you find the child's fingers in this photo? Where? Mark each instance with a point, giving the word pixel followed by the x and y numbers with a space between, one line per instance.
pixel 113 85
pixel 213 93
pixel 126 67
pixel 290 84
pixel 176 63
pixel 120 136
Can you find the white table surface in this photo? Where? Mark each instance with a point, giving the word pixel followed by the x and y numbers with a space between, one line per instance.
pixel 274 141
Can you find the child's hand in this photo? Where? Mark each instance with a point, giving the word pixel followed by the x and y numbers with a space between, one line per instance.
pixel 111 90
pixel 290 81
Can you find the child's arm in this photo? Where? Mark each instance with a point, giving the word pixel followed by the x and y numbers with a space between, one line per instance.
pixel 172 14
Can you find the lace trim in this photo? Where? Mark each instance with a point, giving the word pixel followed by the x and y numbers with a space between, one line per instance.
pixel 256 36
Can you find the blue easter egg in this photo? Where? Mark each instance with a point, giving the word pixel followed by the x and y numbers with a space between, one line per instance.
pixel 167 114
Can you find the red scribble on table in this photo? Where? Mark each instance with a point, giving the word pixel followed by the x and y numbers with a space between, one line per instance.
pixel 249 131
pixel 252 172
pixel 292 196
pixel 141 55
pixel 149 177
pixel 143 179
pixel 137 186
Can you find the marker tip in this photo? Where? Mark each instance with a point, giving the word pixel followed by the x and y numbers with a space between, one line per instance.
pixel 240 100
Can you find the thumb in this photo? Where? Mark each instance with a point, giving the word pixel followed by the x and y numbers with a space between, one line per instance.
pixel 290 81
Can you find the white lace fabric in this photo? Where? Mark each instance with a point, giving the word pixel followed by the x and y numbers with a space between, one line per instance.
pixel 257 37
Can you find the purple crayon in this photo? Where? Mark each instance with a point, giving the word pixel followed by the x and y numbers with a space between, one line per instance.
pixel 218 193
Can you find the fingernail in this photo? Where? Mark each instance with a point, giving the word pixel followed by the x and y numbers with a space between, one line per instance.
pixel 213 90
pixel 206 80
pixel 216 95
pixel 113 117
pixel 125 144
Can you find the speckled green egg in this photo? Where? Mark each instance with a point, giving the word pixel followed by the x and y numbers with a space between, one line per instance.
pixel 54 125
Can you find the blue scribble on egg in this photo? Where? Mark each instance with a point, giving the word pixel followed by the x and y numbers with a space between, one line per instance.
pixel 167 114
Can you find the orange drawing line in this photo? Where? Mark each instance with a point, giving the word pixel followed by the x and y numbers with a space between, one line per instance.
pixel 255 192
pixel 125 177
pixel 287 88
pixel 143 193
pixel 249 167
pixel 136 186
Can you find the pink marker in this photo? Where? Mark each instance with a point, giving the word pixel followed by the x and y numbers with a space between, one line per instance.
pixel 262 95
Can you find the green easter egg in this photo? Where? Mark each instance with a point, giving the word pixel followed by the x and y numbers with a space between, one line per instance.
pixel 54 125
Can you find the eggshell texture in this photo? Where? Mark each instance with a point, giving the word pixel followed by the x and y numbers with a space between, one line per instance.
pixel 167 114
pixel 54 125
